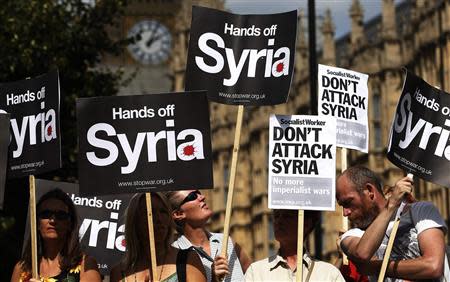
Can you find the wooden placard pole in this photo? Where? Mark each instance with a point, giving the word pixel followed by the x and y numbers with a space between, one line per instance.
pixel 33 229
pixel 299 274
pixel 344 166
pixel 151 236
pixel 387 253
pixel 237 138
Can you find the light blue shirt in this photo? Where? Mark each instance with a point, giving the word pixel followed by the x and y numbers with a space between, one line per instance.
pixel 215 241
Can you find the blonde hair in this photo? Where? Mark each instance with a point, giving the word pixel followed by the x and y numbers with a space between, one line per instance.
pixel 175 200
pixel 136 248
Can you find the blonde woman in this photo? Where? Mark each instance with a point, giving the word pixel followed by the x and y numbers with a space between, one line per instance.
pixel 172 264
pixel 191 213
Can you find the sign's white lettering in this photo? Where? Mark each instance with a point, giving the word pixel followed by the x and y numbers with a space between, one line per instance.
pixel 249 57
pixel 185 151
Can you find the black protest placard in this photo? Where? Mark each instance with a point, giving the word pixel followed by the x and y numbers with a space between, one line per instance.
pixel 241 59
pixel 4 141
pixel 419 138
pixel 144 143
pixel 33 105
pixel 101 222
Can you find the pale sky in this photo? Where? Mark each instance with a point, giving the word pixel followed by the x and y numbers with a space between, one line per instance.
pixel 339 9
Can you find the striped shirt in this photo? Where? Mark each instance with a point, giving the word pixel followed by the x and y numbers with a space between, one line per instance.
pixel 215 241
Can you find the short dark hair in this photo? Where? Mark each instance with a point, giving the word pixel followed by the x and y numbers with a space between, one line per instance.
pixel 308 214
pixel 360 175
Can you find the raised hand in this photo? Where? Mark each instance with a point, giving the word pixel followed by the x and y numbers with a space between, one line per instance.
pixel 220 268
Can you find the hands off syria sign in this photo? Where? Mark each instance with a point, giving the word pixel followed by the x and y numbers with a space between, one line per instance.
pixel 101 222
pixel 144 143
pixel 344 94
pixel 33 105
pixel 241 59
pixel 4 140
pixel 302 152
pixel 419 138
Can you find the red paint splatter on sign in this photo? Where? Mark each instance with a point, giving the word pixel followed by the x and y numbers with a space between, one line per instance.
pixel 49 131
pixel 189 150
pixel 123 243
pixel 280 67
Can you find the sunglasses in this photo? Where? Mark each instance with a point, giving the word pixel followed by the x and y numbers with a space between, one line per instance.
pixel 59 215
pixel 190 197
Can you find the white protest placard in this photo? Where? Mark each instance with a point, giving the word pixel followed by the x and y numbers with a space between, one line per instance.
pixel 302 162
pixel 344 94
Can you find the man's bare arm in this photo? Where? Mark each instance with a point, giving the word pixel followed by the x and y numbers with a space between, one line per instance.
pixel 362 249
pixel 430 265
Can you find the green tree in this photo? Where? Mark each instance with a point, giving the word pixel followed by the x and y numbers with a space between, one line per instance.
pixel 40 35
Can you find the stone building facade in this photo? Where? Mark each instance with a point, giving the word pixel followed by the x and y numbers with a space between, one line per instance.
pixel 415 34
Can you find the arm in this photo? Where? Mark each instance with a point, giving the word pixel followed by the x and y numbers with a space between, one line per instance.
pixel 16 276
pixel 243 257
pixel 428 266
pixel 16 273
pixel 89 270
pixel 194 269
pixel 361 250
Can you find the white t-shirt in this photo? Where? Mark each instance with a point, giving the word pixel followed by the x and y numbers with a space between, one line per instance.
pixel 416 218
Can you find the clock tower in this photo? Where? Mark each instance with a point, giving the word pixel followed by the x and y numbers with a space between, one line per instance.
pixel 147 60
pixel 155 61
pixel 152 42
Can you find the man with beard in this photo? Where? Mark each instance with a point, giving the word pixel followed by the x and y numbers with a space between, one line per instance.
pixel 419 249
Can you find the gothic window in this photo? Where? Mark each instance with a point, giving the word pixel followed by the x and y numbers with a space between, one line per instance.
pixel 378 140
pixel 376 118
pixel 376 103
pixel 270 228
pixel 226 175
pixel 272 250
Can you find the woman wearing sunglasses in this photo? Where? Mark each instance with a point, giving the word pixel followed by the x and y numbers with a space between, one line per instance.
pixel 173 265
pixel 59 254
pixel 191 213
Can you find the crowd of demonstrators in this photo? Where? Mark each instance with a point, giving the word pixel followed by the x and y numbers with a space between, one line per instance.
pixel 283 265
pixel 172 264
pixel 191 214
pixel 419 249
pixel 60 257
pixel 194 255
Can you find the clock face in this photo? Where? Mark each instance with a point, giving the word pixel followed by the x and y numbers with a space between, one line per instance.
pixel 152 42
